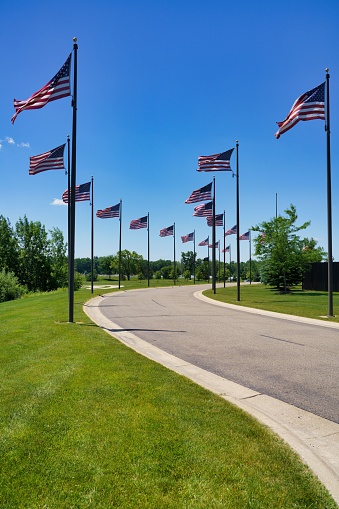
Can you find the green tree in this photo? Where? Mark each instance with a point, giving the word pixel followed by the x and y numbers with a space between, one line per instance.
pixel 283 254
pixel 202 271
pixel 8 246
pixel 159 264
pixel 82 265
pixel 34 269
pixel 57 252
pixel 187 261
pixel 105 265
pixel 131 263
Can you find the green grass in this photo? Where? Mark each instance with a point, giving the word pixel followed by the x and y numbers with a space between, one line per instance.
pixel 85 422
pixel 299 302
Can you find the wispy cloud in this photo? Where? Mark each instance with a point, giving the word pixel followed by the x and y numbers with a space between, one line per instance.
pixel 10 141
pixel 57 201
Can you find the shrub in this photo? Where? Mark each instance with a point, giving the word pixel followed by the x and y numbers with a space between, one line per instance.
pixel 78 280
pixel 9 286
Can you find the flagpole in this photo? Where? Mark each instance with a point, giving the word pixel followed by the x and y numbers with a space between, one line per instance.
pixel 208 260
pixel 194 257
pixel 174 274
pixel 224 249
pixel 71 197
pixel 120 218
pixel 213 239
pixel 219 262
pixel 238 226
pixel 329 198
pixel 69 213
pixel 148 248
pixel 92 238
pixel 250 257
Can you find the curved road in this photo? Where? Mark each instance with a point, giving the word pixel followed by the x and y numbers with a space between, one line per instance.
pixel 297 363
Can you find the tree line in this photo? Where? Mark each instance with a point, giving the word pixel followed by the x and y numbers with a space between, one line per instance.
pixel 33 259
pixel 133 264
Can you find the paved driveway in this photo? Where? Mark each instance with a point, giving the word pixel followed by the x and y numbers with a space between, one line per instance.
pixel 297 363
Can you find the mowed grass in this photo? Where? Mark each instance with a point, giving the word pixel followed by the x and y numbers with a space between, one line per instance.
pixel 85 422
pixel 299 302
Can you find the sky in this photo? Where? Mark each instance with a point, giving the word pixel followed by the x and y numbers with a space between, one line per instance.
pixel 160 83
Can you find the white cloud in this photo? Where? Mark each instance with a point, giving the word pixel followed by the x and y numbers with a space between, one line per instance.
pixel 57 201
pixel 10 141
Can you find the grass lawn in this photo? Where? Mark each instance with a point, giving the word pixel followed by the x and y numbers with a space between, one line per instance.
pixel 85 422
pixel 299 302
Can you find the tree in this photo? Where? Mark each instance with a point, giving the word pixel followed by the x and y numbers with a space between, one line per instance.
pixel 82 265
pixel 34 269
pixel 202 271
pixel 131 263
pixel 105 265
pixel 59 267
pixel 8 247
pixel 187 261
pixel 283 253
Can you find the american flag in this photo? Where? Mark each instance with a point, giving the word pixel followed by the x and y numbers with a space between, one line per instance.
pixel 216 245
pixel 204 242
pixel 188 238
pixel 245 236
pixel 227 249
pixel 113 211
pixel 82 193
pixel 204 193
pixel 219 220
pixel 136 224
pixel 167 231
pixel 231 231
pixel 203 210
pixel 215 162
pixel 51 160
pixel 57 88
pixel 309 106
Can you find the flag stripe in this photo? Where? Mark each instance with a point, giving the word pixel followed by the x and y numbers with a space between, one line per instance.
pixel 57 88
pixel 166 231
pixel 136 224
pixel 219 220
pixel 203 210
pixel 51 160
pixel 188 238
pixel 204 193
pixel 204 242
pixel 109 212
pixel 309 106
pixel 82 193
pixel 215 162
pixel 245 236
pixel 231 231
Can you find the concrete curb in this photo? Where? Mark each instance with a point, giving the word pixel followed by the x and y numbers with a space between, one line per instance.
pixel 315 439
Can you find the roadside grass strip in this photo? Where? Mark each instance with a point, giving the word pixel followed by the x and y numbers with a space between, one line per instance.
pixel 298 302
pixel 88 423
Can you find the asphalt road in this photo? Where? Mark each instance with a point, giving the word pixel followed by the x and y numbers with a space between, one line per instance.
pixel 297 363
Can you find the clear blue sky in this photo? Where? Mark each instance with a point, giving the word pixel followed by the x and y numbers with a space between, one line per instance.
pixel 160 83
